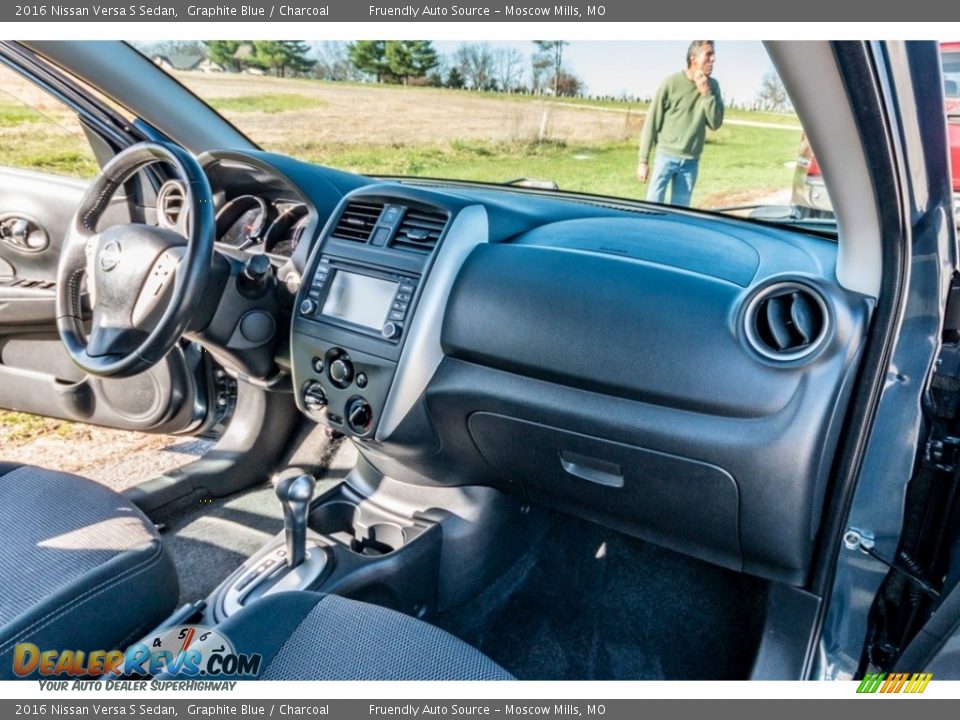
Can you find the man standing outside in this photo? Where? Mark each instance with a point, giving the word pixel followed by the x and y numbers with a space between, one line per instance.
pixel 685 105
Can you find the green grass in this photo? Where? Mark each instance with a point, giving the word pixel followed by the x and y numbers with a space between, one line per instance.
pixel 12 115
pixel 736 159
pixel 270 103
pixel 23 427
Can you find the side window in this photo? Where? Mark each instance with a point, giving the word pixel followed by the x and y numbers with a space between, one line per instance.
pixel 38 132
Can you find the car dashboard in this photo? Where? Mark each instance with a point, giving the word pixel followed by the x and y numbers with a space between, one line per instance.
pixel 676 375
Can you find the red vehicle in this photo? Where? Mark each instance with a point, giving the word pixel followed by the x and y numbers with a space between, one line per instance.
pixel 810 194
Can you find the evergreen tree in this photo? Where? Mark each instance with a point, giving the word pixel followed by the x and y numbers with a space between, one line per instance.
pixel 369 56
pixel 223 52
pixel 455 79
pixel 283 55
pixel 410 58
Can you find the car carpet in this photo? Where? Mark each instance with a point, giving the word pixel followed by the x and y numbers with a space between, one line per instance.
pixel 208 538
pixel 589 603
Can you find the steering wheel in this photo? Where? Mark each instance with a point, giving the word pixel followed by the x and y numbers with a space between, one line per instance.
pixel 144 282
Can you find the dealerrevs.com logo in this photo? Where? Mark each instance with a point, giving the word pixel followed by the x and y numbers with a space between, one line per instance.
pixel 185 651
pixel 895 683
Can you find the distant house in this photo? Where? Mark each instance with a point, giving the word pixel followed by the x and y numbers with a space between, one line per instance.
pixel 186 61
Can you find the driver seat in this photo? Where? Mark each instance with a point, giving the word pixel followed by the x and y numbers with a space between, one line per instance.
pixel 81 567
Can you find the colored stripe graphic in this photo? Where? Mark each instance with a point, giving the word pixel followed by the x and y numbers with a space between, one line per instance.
pixel 894 683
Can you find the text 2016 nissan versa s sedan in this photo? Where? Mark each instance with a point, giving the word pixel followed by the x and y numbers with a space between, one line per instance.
pixel 597 438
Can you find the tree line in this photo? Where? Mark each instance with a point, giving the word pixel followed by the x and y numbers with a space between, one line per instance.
pixel 473 66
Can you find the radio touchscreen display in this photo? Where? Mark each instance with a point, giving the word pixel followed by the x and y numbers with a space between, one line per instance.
pixel 359 299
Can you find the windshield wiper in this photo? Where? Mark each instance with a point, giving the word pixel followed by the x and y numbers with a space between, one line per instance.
pixel 778 213
pixel 533 183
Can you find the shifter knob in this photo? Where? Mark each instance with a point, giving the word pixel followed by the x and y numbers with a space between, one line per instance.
pixel 295 490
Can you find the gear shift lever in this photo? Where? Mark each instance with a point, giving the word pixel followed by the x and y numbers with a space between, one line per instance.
pixel 295 490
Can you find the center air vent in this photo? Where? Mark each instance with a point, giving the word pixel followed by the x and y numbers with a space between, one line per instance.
pixel 358 220
pixel 420 230
pixel 787 321
pixel 171 205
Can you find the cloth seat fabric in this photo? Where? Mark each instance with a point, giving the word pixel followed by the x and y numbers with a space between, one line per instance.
pixel 81 567
pixel 310 636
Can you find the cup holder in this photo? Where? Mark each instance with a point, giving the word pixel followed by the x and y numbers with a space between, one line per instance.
pixel 343 521
pixel 379 539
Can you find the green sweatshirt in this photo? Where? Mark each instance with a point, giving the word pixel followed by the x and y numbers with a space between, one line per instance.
pixel 678 117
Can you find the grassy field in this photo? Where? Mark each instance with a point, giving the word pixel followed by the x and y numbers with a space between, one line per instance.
pixel 581 144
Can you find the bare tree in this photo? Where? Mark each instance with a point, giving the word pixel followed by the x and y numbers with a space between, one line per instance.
pixel 509 68
pixel 476 64
pixel 333 62
pixel 550 55
pixel 772 95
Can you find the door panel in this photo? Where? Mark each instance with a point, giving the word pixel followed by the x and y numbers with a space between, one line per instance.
pixel 36 374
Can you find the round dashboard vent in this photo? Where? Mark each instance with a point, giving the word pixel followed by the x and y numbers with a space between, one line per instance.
pixel 171 204
pixel 787 321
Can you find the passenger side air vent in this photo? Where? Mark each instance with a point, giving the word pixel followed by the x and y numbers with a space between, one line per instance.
pixel 420 230
pixel 171 205
pixel 358 220
pixel 787 321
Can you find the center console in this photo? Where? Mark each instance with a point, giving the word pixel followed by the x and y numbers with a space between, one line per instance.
pixel 354 310
pixel 365 340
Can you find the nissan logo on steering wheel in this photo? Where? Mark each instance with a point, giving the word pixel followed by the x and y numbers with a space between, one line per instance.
pixel 110 256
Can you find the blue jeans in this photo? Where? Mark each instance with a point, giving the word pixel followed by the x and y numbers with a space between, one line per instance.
pixel 666 170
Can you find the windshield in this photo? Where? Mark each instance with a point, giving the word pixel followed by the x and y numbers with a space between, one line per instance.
pixel 702 124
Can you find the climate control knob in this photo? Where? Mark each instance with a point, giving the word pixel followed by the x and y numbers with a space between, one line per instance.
pixel 359 415
pixel 314 398
pixel 341 371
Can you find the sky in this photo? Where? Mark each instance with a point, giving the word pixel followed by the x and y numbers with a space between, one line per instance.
pixel 622 67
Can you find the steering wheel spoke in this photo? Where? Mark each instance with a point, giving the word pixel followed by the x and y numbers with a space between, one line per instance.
pixel 111 341
pixel 145 282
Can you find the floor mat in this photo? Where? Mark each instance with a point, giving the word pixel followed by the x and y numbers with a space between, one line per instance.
pixel 593 604
pixel 209 538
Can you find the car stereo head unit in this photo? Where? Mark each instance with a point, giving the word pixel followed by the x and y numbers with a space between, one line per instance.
pixel 362 299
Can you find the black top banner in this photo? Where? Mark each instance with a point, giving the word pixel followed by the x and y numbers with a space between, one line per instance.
pixel 260 11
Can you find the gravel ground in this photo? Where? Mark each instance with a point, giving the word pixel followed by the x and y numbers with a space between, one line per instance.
pixel 116 458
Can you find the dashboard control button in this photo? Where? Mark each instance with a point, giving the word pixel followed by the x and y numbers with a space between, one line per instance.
pixel 361 380
pixel 341 371
pixel 307 307
pixel 380 237
pixel 359 415
pixel 390 330
pixel 391 214
pixel 314 398
pixel 406 289
pixel 317 364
